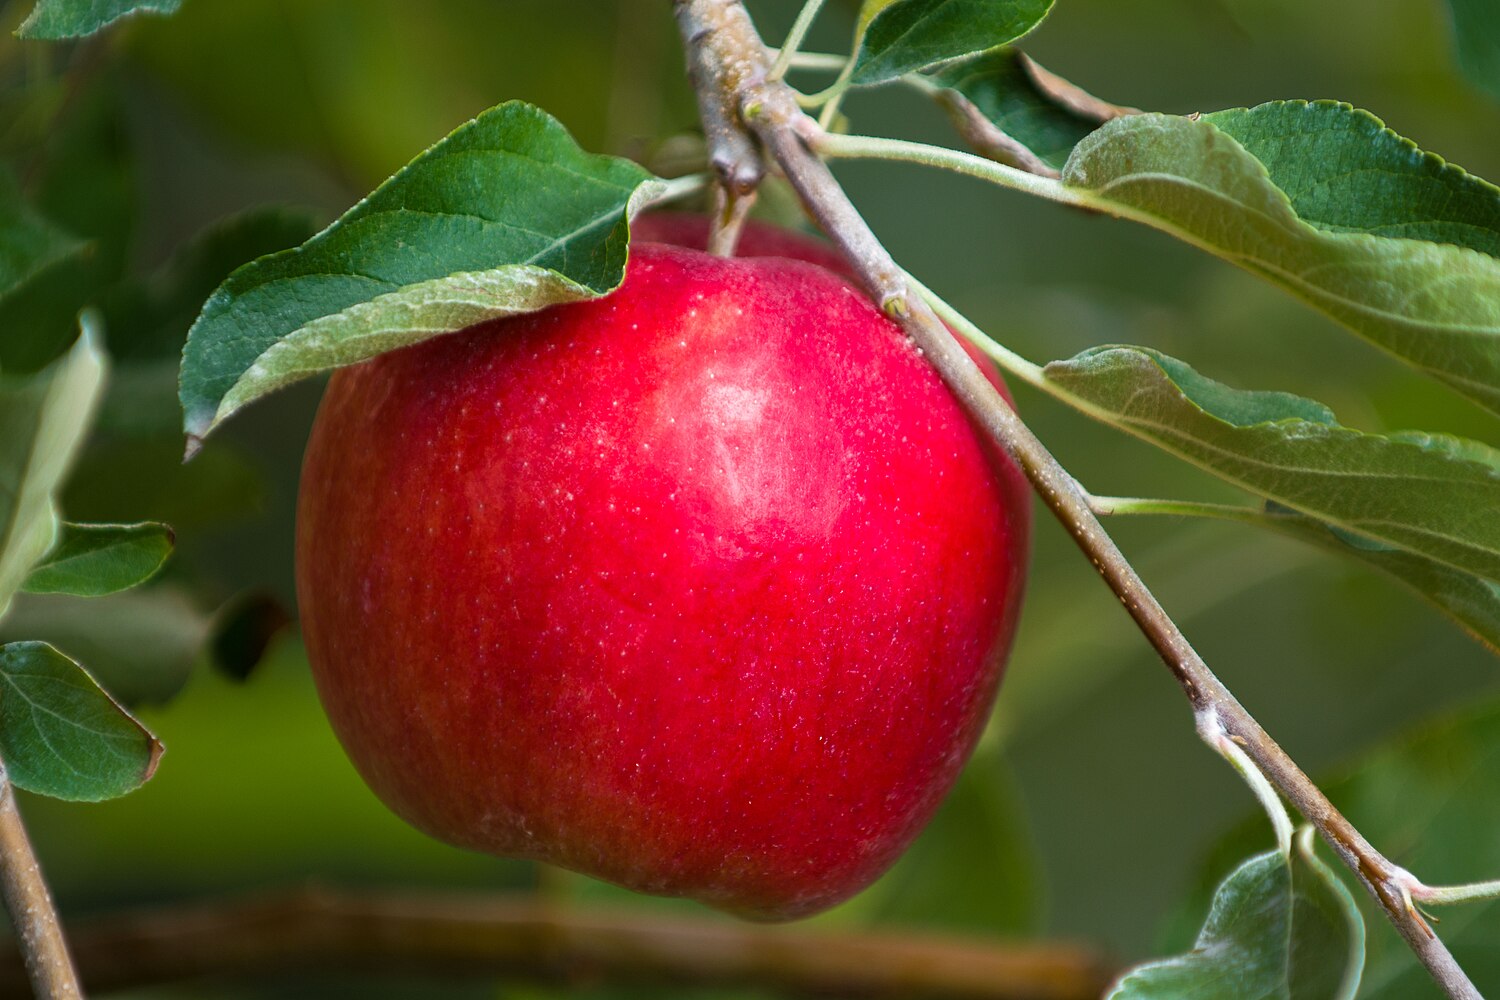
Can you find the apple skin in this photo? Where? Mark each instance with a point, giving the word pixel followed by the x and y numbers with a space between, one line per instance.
pixel 703 588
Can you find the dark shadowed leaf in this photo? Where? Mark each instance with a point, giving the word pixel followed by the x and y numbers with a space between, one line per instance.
pixel 1324 201
pixel 1279 928
pixel 506 215
pixel 85 179
pixel 53 19
pixel 140 645
pixel 1476 30
pixel 148 319
pixel 1045 114
pixel 42 420
pixel 61 735
pixel 1417 491
pixel 145 479
pixel 29 243
pixel 899 36
pixel 42 272
pixel 90 560
pixel 244 629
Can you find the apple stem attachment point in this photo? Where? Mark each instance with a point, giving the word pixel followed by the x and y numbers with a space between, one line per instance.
pixel 731 209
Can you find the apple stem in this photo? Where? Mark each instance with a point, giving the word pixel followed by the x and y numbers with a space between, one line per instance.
pixel 38 933
pixel 728 66
pixel 523 937
pixel 731 209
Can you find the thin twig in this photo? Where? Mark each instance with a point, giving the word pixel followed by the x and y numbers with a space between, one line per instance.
pixel 526 938
pixel 794 38
pixel 769 111
pixel 39 937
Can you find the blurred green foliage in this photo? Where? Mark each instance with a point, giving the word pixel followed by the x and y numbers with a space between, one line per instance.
pixel 1091 791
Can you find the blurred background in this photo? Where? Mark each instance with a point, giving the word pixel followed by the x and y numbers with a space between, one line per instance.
pixel 1085 813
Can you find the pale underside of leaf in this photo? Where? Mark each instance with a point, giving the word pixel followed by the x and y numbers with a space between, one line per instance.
pixel 506 215
pixel 44 416
pixel 1041 112
pixel 56 19
pixel 1436 306
pixel 400 319
pixel 1426 493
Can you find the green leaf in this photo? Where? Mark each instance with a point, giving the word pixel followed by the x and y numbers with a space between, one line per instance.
pixel 61 735
pixel 44 417
pixel 1476 30
pixel 1279 927
pixel 1419 492
pixel 1045 114
pixel 140 645
pixel 28 242
pixel 91 560
pixel 244 630
pixel 899 36
pixel 54 19
pixel 1324 201
pixel 506 215
pixel 1429 798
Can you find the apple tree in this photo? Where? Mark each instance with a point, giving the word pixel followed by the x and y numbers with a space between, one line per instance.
pixel 209 210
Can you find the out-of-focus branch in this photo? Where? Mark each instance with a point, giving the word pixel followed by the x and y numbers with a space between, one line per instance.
pixel 41 951
pixel 524 938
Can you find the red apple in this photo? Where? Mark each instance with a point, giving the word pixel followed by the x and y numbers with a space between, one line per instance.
pixel 703 588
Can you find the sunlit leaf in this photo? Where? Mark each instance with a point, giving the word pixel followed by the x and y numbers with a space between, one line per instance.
pixel 1476 30
pixel 42 420
pixel 90 560
pixel 506 215
pixel 1045 114
pixel 61 735
pixel 1420 492
pixel 1324 201
pixel 898 36
pixel 53 19
pixel 1279 928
